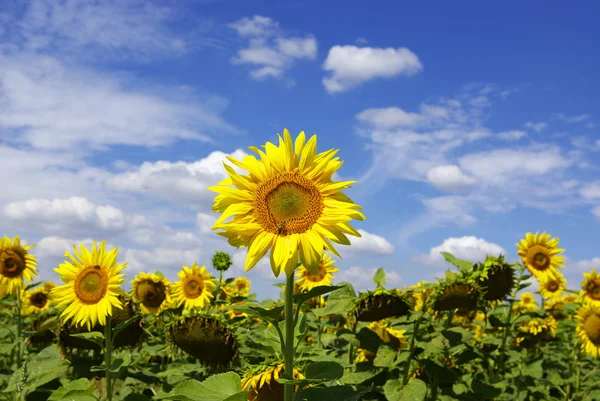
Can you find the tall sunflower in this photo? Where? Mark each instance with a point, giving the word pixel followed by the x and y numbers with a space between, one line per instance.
pixel 152 291
pixel 591 288
pixel 17 265
pixel 540 254
pixel 552 287
pixel 588 329
pixel 35 301
pixel 307 280
pixel 93 284
pixel 194 288
pixel 287 203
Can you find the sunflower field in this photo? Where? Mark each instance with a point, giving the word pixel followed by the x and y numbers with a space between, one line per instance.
pixel 475 334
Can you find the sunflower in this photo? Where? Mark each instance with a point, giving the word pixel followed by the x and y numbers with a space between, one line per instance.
pixel 552 287
pixel 262 385
pixel 452 294
pixel 287 203
pixel 152 291
pixel 16 263
pixel 307 280
pixel 364 356
pixel 93 284
pixel 588 329
pixel 526 303
pixel 194 288
pixel 591 288
pixel 499 278
pixel 233 313
pixel 382 304
pixel 389 335
pixel 239 287
pixel 35 301
pixel 540 254
pixel 555 307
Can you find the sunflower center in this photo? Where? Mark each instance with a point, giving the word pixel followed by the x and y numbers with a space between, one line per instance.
pixel 287 204
pixel 152 294
pixel 11 263
pixel 316 278
pixel 593 289
pixel 552 286
pixel 591 326
pixel 91 285
pixel 38 299
pixel 194 287
pixel 538 257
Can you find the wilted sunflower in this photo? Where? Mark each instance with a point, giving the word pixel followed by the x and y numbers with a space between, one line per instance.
pixel 588 329
pixel 194 288
pixel 540 254
pixel 307 281
pixel 498 280
pixel 261 383
pixel 152 291
pixel 456 293
pixel 93 284
pixel 552 287
pixel 16 263
pixel 381 304
pixel 35 301
pixel 591 288
pixel 287 203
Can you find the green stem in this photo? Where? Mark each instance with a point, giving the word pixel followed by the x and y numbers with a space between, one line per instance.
pixel 289 337
pixel 449 318
pixel 108 356
pixel 507 322
pixel 219 285
pixel 411 349
pixel 19 329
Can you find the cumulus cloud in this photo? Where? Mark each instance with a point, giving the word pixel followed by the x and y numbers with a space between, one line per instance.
pixel 513 135
pixel 596 211
pixel 269 50
pixel 351 66
pixel 393 117
pixel 537 127
pixel 449 178
pixel 179 182
pixel 205 222
pixel 468 248
pixel 367 244
pixel 591 190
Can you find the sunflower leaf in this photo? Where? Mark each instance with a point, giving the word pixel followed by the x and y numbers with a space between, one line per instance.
pixel 94 337
pixel 271 315
pixel 462 265
pixel 221 387
pixel 123 325
pixel 315 292
pixel 415 390
pixel 379 277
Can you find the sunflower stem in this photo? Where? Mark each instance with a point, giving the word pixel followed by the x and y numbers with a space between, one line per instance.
pixel 507 322
pixel 289 337
pixel 19 329
pixel 219 286
pixel 411 349
pixel 107 356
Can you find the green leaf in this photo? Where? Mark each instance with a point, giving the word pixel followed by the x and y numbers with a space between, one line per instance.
pixel 41 369
pixel 495 322
pixel 32 285
pixel 271 315
pixel 94 336
pixel 123 325
pixel 333 393
pixel 222 387
pixel 324 371
pixel 461 264
pixel 534 369
pixel 385 357
pixel 315 292
pixel 415 390
pixel 379 277
pixel 78 390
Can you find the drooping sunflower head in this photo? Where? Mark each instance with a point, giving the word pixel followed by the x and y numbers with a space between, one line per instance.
pixel 35 301
pixel 455 293
pixel 287 204
pixel 591 287
pixel 553 286
pixel 152 291
pixel 205 338
pixel 498 279
pixel 194 288
pixel 262 385
pixel 588 328
pixel 540 254
pixel 17 265
pixel 381 304
pixel 308 280
pixel 93 284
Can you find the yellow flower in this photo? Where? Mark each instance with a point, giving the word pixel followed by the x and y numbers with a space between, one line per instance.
pixel 552 287
pixel 233 313
pixel 287 203
pixel 240 287
pixel 364 356
pixel 152 291
pixel 93 284
pixel 35 301
pixel 588 329
pixel 261 383
pixel 194 288
pixel 307 280
pixel 526 303
pixel 591 288
pixel 387 334
pixel 16 263
pixel 540 255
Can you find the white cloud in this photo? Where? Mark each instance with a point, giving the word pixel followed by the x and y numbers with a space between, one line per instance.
pixel 352 66
pixel 205 222
pixel 513 135
pixel 450 178
pixel 268 49
pixel 467 248
pixel 393 117
pixel 160 258
pixel 573 119
pixel 591 190
pixel 179 182
pixel 361 278
pixel 537 127
pixel 367 244
pixel 596 211
pixel 584 266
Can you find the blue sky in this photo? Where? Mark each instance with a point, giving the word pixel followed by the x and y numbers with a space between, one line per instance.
pixel 466 124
